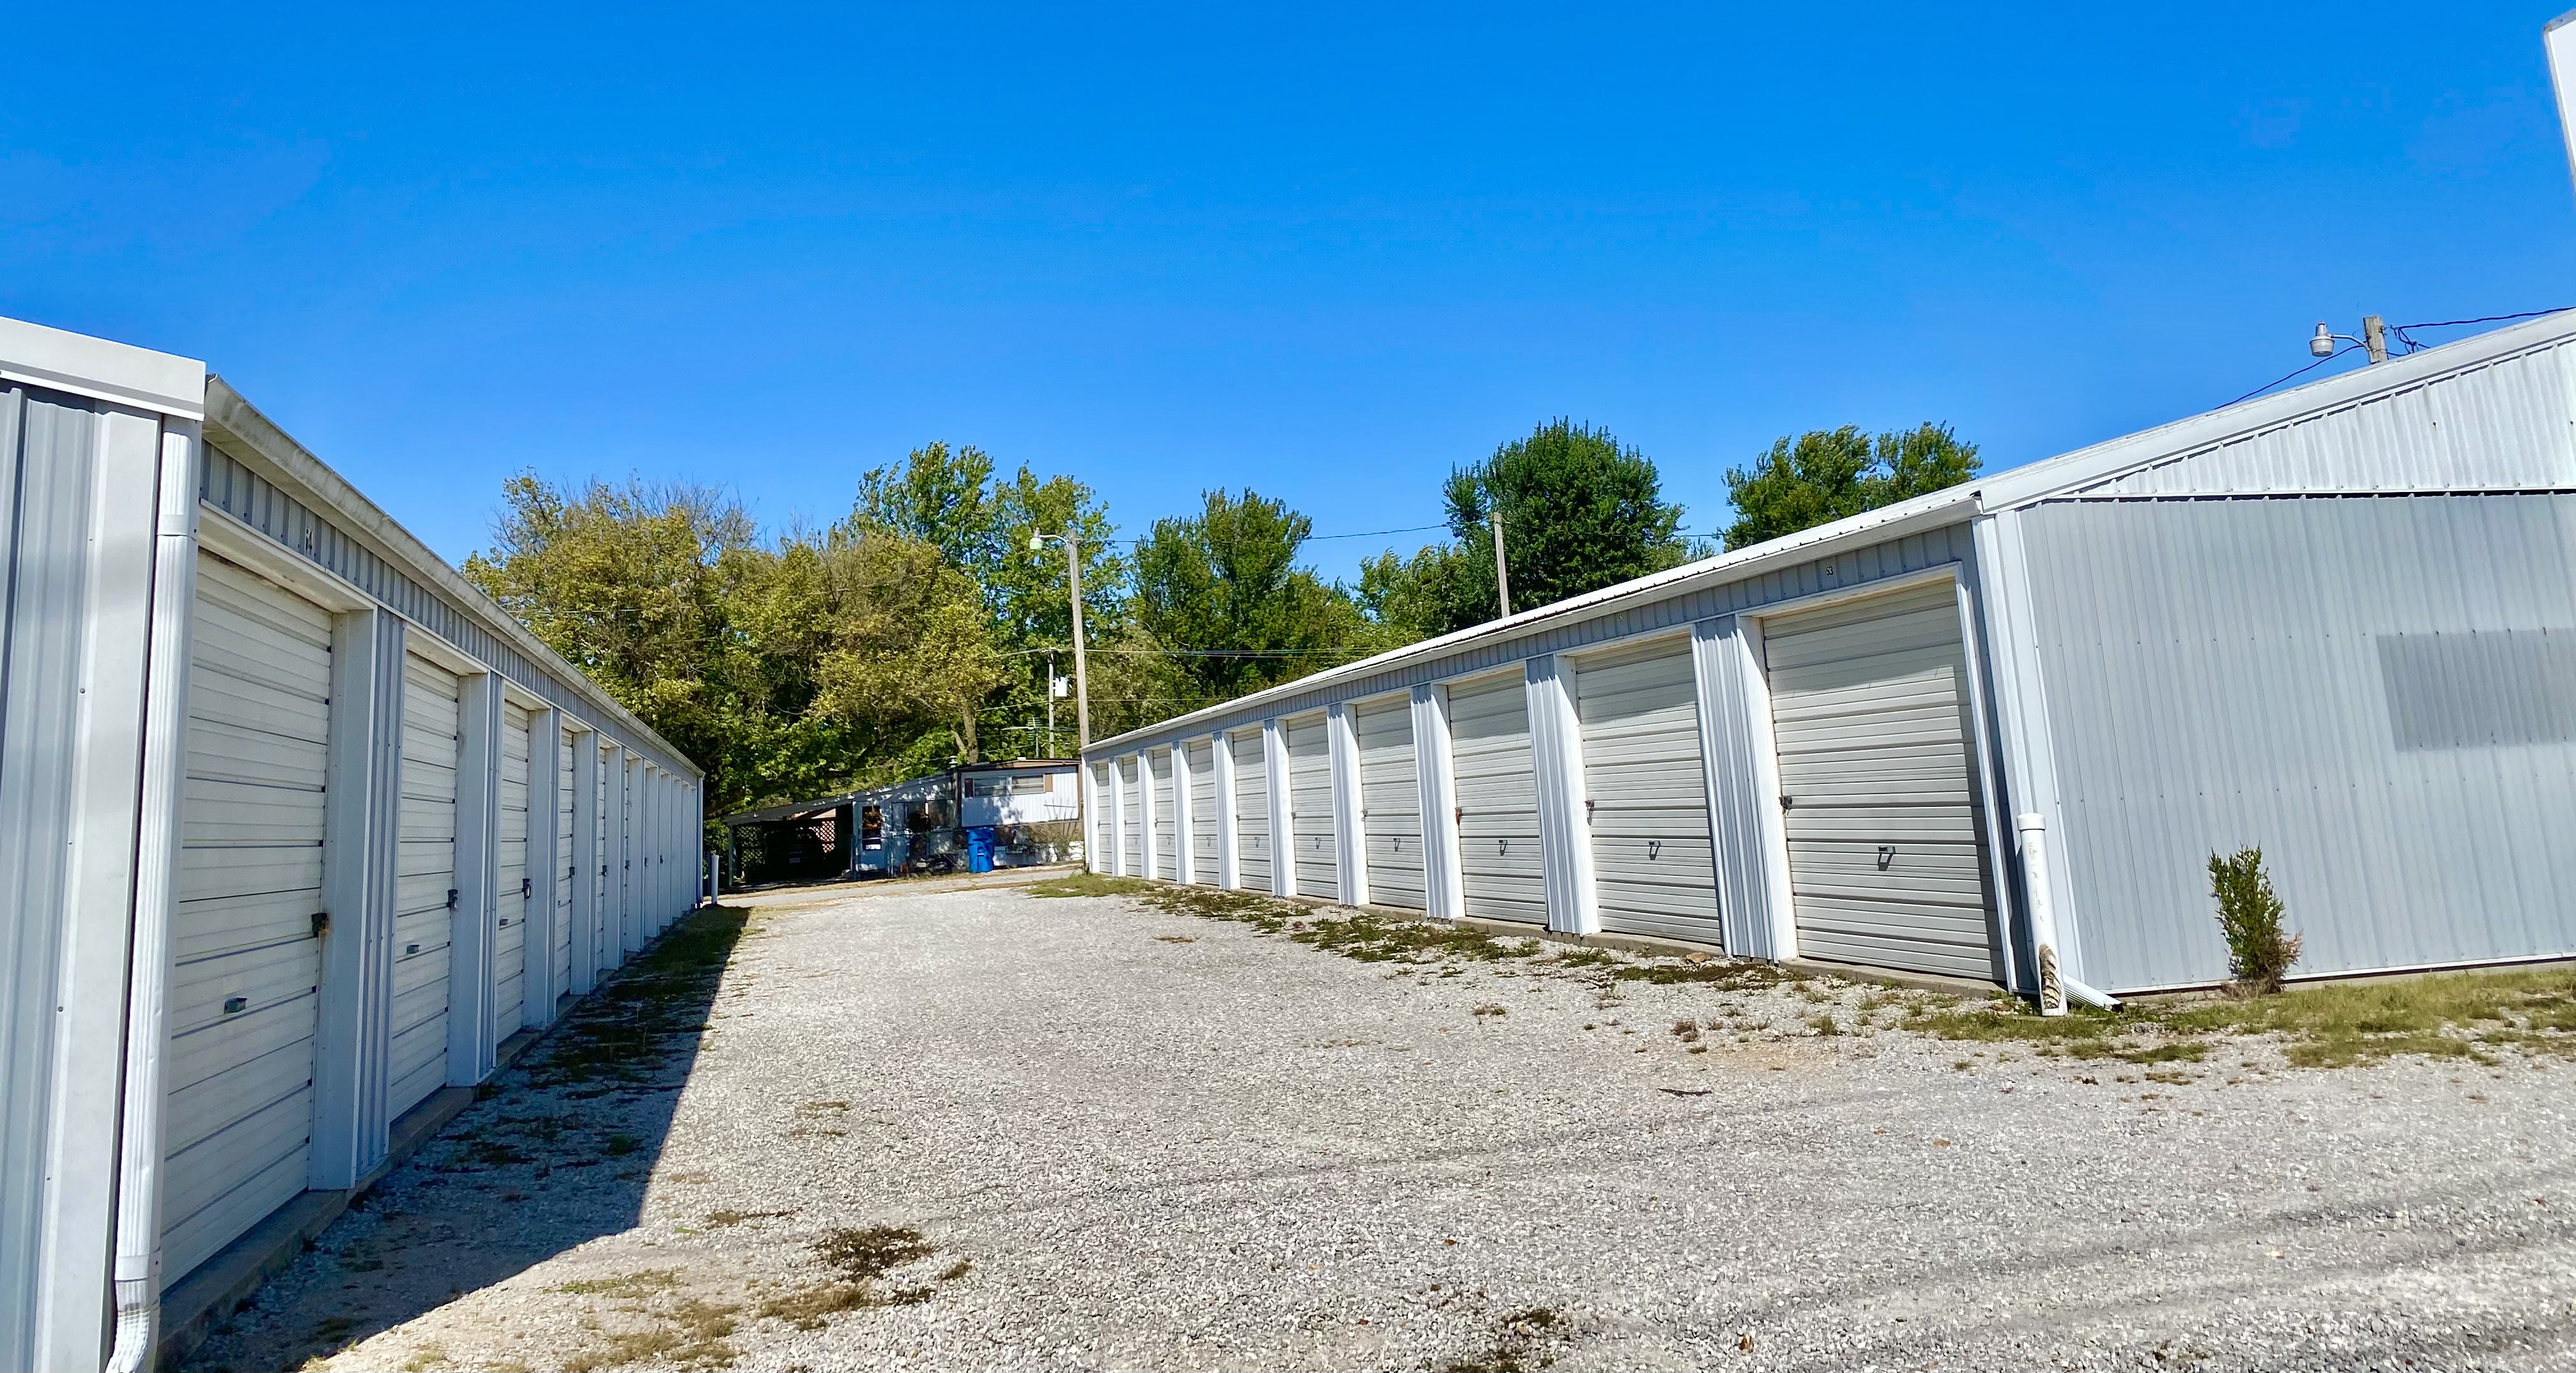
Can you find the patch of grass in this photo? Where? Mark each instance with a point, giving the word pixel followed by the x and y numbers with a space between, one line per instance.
pixel 690 1334
pixel 1731 974
pixel 807 1308
pixel 625 1032
pixel 873 1251
pixel 628 1286
pixel 1091 884
pixel 1176 939
pixel 718 1220
pixel 2453 1015
pixel 1491 1009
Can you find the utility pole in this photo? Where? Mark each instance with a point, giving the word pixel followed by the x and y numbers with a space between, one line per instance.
pixel 1050 739
pixel 2374 337
pixel 1073 579
pixel 1502 574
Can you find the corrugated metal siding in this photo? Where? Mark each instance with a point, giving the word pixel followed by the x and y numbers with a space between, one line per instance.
pixel 1645 791
pixel 1735 734
pixel 2502 425
pixel 1167 853
pixel 2215 677
pixel 46 447
pixel 426 875
pixel 512 883
pixel 233 488
pixel 1316 867
pixel 1390 803
pixel 1251 810
pixel 1204 834
pixel 1895 558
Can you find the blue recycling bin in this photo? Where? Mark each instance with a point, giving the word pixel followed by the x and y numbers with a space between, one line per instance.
pixel 979 849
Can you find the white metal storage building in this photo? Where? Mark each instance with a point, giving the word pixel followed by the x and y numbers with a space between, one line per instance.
pixel 2019 715
pixel 299 829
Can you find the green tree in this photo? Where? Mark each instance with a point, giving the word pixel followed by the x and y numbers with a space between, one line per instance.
pixel 1222 592
pixel 1580 512
pixel 949 498
pixel 1825 475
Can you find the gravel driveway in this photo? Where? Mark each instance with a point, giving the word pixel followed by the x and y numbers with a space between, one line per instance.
pixel 979 1129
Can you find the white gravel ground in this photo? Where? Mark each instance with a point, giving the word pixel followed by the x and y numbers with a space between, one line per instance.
pixel 1144 1140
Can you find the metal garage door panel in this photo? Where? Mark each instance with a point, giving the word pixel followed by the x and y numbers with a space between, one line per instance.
pixel 1316 868
pixel 1497 786
pixel 1390 803
pixel 1167 853
pixel 1886 855
pixel 1201 760
pixel 424 873
pixel 1654 864
pixel 1103 823
pixel 1131 818
pixel 246 963
pixel 567 778
pixel 1251 809
pixel 512 883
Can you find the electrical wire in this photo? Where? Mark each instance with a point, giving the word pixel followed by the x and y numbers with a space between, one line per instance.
pixel 2339 352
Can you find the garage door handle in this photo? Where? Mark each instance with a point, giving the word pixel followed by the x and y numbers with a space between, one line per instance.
pixel 1588 806
pixel 527 887
pixel 1786 802
pixel 451 898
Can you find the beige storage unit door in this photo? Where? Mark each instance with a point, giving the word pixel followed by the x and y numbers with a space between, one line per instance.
pixel 1200 758
pixel 567 777
pixel 1654 866
pixel 1251 809
pixel 1131 818
pixel 1501 877
pixel 1103 831
pixel 1390 803
pixel 1886 861
pixel 1167 853
pixel 246 963
pixel 513 886
pixel 424 882
pixel 1316 868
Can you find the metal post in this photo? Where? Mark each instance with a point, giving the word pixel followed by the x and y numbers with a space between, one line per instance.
pixel 1502 574
pixel 1081 675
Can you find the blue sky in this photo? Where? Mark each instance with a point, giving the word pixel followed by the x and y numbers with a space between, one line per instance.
pixel 1325 252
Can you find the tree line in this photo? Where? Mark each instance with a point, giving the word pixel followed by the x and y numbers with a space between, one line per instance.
pixel 923 628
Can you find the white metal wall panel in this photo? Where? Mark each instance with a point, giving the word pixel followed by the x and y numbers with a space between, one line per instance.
pixel 1316 868
pixel 1201 760
pixel 1251 810
pixel 2499 425
pixel 1390 803
pixel 1102 854
pixel 512 884
pixel 603 841
pixel 1654 868
pixel 1886 855
pixel 567 778
pixel 1500 869
pixel 1131 818
pixel 1167 853
pixel 424 875
pixel 2380 693
pixel 247 960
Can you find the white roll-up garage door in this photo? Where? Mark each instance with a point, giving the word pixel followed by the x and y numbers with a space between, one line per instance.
pixel 1390 803
pixel 1167 853
pixel 513 885
pixel 247 962
pixel 424 882
pixel 1251 809
pixel 603 900
pixel 1654 866
pixel 1500 871
pixel 567 777
pixel 1103 826
pixel 1131 818
pixel 1316 868
pixel 1201 759
pixel 1886 862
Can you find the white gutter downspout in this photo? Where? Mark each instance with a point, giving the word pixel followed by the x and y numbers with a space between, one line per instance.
pixel 137 1270
pixel 2054 985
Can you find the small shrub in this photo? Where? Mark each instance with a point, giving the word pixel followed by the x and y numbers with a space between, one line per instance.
pixel 2259 951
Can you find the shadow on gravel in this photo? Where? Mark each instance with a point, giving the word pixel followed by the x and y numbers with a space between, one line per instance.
pixel 556 1152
